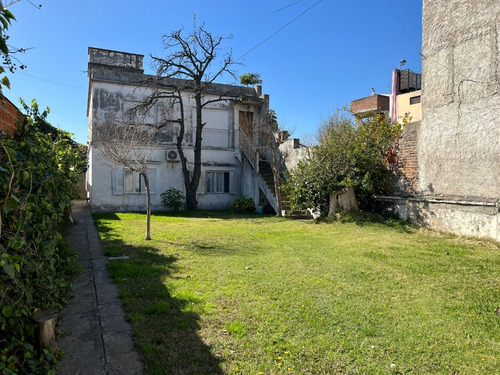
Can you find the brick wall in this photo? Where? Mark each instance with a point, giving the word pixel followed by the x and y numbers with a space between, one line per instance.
pixel 375 102
pixel 9 114
pixel 407 159
pixel 403 160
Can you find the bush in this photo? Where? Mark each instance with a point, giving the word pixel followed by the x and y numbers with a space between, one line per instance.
pixel 39 168
pixel 172 199
pixel 243 205
pixel 349 154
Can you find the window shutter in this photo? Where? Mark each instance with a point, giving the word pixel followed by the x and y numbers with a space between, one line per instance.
pixel 232 183
pixel 143 185
pixel 202 184
pixel 117 181
pixel 153 181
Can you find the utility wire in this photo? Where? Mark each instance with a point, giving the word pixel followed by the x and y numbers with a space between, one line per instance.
pixel 404 28
pixel 280 9
pixel 277 31
pixel 53 82
pixel 463 75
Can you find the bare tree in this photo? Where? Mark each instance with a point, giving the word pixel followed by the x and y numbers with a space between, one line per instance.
pixel 189 68
pixel 128 145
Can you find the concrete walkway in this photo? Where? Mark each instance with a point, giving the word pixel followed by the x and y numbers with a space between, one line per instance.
pixel 95 335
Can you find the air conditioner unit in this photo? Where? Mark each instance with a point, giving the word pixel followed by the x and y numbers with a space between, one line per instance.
pixel 172 155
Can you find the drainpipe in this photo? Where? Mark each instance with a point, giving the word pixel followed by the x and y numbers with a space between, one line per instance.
pixel 394 95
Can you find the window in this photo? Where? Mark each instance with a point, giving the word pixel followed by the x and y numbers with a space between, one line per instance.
pixel 218 182
pixel 125 181
pixel 415 100
pixel 131 182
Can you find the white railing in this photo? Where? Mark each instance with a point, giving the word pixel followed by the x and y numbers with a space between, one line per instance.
pixel 216 138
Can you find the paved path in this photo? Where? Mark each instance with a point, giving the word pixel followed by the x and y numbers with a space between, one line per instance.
pixel 95 336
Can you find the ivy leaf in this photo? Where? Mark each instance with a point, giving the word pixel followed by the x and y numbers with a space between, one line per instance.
pixel 16 243
pixel 7 311
pixel 9 270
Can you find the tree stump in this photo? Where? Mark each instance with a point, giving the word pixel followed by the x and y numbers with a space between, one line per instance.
pixel 46 325
pixel 343 201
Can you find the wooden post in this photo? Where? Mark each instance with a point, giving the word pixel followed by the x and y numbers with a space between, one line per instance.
pixel 46 325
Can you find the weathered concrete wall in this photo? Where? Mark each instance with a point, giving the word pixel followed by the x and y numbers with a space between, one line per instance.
pixel 293 152
pixel 466 217
pixel 460 137
pixel 459 145
pixel 115 58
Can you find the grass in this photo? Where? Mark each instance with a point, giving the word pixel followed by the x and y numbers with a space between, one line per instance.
pixel 214 293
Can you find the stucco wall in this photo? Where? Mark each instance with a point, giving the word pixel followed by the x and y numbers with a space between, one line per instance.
pixel 460 135
pixel 404 106
pixel 459 143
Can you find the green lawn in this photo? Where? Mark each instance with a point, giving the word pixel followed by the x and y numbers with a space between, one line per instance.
pixel 219 294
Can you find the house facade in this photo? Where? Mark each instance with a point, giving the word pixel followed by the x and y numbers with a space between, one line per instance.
pixel 230 160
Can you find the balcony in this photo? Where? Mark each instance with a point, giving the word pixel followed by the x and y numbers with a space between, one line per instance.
pixel 217 138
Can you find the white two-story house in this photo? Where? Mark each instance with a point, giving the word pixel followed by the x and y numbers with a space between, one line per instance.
pixel 230 162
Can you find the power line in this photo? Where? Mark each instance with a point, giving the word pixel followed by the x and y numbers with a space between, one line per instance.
pixel 53 82
pixel 419 51
pixel 280 29
pixel 282 8
pixel 404 28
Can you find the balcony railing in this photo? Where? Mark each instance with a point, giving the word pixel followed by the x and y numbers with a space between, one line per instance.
pixel 216 138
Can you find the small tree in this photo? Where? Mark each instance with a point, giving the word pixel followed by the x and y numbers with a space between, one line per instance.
pixel 189 67
pixel 128 145
pixel 250 79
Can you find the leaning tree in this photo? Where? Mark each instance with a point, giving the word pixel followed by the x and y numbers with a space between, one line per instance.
pixel 192 65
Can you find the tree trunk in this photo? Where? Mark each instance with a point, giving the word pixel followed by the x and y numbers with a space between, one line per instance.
pixel 191 203
pixel 276 178
pixel 343 201
pixel 148 206
pixel 46 324
pixel 192 185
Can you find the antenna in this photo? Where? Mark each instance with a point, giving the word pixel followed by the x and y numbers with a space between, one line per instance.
pixel 193 37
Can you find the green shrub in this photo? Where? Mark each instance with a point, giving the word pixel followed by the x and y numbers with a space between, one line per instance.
pixel 243 205
pixel 172 199
pixel 39 168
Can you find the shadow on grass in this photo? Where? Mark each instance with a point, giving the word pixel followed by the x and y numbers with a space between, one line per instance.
pixel 209 214
pixel 166 323
pixel 371 219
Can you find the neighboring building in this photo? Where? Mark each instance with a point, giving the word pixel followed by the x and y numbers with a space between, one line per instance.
pixel 375 103
pixel 406 95
pixel 9 114
pixel 403 102
pixel 230 161
pixel 459 140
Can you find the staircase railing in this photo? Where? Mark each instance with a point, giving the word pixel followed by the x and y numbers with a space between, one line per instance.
pixel 248 148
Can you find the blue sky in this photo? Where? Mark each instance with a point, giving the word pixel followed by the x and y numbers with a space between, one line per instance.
pixel 333 53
